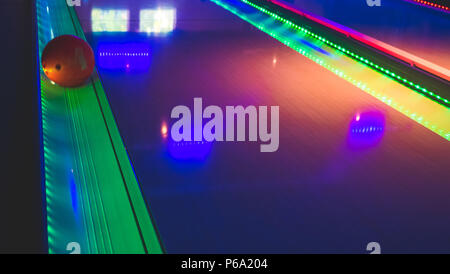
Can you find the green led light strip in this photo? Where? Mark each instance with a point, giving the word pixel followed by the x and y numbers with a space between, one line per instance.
pixel 366 61
pixel 412 115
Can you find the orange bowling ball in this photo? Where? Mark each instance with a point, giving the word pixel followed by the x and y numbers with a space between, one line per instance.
pixel 68 61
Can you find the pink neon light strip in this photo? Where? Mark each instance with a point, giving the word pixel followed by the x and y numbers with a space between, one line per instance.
pixel 372 42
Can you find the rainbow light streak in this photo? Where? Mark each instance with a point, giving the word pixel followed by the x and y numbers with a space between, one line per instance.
pixel 390 74
pixel 128 56
pixel 439 127
pixel 157 20
pixel 110 20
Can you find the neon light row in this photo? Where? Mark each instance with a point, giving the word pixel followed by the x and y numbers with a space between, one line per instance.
pixel 430 4
pixel 390 74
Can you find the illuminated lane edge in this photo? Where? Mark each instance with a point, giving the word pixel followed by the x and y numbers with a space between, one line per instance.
pixel 92 195
pixel 438 123
pixel 407 57
pixel 430 5
pixel 414 86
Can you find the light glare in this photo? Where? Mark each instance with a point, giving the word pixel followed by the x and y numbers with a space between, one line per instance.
pixel 110 20
pixel 157 20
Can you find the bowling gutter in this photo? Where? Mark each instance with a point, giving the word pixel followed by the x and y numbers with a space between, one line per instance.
pixel 409 70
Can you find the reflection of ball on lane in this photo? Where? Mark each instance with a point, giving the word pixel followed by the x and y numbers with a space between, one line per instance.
pixel 68 61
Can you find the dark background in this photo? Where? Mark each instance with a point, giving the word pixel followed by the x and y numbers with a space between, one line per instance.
pixel 22 221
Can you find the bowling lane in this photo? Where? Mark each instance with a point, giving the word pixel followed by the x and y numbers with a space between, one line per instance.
pixel 349 169
pixel 421 31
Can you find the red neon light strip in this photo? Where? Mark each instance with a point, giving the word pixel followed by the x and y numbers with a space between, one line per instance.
pixel 431 4
pixel 372 42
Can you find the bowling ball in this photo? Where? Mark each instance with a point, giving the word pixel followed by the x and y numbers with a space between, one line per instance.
pixel 68 61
